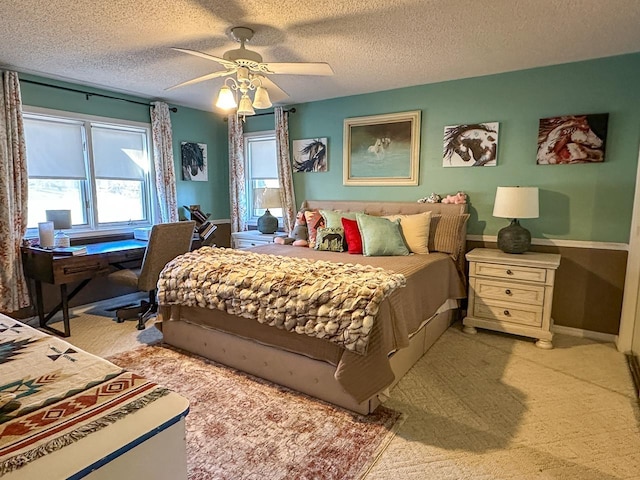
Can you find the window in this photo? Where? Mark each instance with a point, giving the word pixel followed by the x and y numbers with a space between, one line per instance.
pixel 261 171
pixel 98 168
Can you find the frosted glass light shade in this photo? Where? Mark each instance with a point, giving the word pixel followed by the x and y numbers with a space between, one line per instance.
pixel 226 100
pixel 261 99
pixel 516 202
pixel 245 107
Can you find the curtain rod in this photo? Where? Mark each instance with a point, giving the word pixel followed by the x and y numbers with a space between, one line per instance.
pixel 91 94
pixel 291 110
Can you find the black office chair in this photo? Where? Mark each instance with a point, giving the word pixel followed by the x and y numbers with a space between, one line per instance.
pixel 166 242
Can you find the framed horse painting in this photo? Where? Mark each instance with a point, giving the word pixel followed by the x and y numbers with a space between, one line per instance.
pixel 310 155
pixel 572 139
pixel 194 161
pixel 471 145
pixel 382 149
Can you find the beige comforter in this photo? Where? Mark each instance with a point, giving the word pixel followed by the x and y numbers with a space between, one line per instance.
pixel 430 280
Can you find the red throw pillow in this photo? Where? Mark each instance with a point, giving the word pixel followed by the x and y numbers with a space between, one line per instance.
pixel 352 236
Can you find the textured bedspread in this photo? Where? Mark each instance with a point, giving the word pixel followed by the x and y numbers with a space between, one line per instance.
pixel 52 394
pixel 337 302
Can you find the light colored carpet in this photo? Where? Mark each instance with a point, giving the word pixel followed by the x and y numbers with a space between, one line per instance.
pixel 240 427
pixel 490 406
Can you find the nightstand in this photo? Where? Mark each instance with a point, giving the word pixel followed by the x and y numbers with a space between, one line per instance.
pixel 253 238
pixel 511 293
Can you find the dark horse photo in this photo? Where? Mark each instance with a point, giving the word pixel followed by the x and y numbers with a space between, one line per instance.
pixel 194 165
pixel 312 157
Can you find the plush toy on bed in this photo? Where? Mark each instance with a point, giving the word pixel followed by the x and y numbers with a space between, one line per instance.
pixel 456 199
pixel 299 236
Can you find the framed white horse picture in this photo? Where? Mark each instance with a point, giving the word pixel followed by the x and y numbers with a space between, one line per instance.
pixel 382 149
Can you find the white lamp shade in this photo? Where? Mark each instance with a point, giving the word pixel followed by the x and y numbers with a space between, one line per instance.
pixel 245 107
pixel 262 99
pixel 516 202
pixel 226 100
pixel 267 198
pixel 61 218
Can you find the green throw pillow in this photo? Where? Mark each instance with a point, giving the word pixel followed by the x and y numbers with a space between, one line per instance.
pixel 333 218
pixel 330 239
pixel 380 236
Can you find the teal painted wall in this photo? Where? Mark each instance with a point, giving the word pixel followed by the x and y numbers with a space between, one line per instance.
pixel 578 202
pixel 188 124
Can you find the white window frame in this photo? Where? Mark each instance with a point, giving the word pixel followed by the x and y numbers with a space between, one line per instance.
pixel 252 220
pixel 93 228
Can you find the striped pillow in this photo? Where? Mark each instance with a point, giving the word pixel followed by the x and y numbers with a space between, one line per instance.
pixel 445 233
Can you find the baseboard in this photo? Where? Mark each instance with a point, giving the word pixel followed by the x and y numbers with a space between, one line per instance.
pixel 634 366
pixel 579 332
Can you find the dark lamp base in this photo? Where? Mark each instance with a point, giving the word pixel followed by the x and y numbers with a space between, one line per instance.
pixel 514 238
pixel 267 223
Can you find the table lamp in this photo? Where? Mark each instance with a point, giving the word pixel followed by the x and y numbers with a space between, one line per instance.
pixel 267 198
pixel 515 203
pixel 61 221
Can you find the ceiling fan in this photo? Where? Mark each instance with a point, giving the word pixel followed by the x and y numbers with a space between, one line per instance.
pixel 251 74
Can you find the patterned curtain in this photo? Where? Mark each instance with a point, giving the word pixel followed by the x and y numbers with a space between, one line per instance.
pixel 14 293
pixel 237 179
pixel 167 201
pixel 287 195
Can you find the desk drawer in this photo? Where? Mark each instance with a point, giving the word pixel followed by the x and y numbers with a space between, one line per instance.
pixel 507 312
pixel 79 268
pixel 512 272
pixel 125 256
pixel 509 291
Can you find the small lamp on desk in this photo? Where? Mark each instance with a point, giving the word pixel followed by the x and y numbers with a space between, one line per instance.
pixel 515 203
pixel 267 198
pixel 61 221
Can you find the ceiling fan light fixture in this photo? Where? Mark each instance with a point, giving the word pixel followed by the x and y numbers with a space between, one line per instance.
pixel 261 99
pixel 245 108
pixel 226 100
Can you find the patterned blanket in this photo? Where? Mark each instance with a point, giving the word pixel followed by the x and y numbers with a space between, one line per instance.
pixel 52 394
pixel 334 301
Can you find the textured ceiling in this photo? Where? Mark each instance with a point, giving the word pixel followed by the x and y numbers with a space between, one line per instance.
pixel 372 45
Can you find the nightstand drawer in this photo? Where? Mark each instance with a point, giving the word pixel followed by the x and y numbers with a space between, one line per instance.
pixel 243 243
pixel 507 312
pixel 512 272
pixel 509 291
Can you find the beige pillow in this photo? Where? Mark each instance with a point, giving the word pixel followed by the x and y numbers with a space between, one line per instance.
pixel 445 233
pixel 415 229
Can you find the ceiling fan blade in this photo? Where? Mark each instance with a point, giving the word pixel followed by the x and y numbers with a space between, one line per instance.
pixel 222 61
pixel 317 68
pixel 276 94
pixel 209 76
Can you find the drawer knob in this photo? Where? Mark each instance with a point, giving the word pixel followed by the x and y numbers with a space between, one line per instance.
pixel 509 272
pixel 506 313
pixel 507 291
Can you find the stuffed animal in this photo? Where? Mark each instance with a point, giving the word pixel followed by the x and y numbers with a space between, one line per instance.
pixel 456 199
pixel 433 198
pixel 299 236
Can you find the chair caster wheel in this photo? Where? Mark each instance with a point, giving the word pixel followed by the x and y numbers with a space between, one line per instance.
pixel 119 320
pixel 140 327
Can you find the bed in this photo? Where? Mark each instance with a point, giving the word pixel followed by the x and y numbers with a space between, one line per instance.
pixel 65 413
pixel 350 365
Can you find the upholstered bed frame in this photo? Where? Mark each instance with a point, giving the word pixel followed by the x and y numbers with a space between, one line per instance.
pixel 299 372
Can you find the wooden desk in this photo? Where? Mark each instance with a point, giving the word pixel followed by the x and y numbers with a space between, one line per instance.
pixel 43 266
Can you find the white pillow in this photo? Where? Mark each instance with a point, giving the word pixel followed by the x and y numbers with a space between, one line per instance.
pixel 415 229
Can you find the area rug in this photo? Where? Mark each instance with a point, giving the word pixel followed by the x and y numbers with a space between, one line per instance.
pixel 242 427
